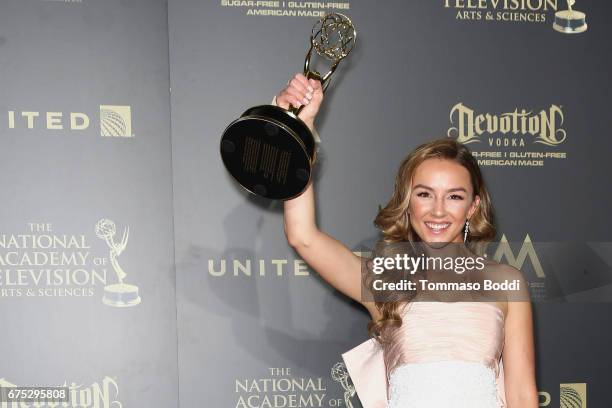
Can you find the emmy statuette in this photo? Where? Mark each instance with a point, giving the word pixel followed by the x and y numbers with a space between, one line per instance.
pixel 269 150
pixel 570 21
pixel 119 294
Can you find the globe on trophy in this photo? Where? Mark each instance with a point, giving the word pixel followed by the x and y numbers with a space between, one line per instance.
pixel 570 21
pixel 269 150
pixel 119 294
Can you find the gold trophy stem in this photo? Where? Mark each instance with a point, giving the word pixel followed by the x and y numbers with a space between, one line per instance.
pixel 314 75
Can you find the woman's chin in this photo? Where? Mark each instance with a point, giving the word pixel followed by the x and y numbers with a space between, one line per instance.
pixel 437 242
pixel 436 238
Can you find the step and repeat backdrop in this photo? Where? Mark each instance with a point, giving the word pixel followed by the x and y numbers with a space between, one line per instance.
pixel 136 273
pixel 87 281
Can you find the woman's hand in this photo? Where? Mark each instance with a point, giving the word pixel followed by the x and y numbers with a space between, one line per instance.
pixel 302 91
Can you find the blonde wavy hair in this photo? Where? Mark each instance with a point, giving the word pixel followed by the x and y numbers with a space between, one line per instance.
pixel 394 222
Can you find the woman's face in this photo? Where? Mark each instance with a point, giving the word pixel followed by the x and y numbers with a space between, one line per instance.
pixel 441 200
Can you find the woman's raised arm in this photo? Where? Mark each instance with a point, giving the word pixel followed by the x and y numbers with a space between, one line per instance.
pixel 330 258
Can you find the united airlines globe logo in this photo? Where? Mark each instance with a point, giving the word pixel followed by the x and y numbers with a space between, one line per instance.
pixel 115 121
pixel 572 395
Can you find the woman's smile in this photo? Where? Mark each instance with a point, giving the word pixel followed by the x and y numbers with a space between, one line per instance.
pixel 437 228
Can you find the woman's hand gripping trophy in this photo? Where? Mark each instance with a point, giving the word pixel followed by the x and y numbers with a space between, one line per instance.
pixel 302 91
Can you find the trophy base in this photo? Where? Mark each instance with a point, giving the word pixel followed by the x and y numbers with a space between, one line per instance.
pixel 269 151
pixel 570 22
pixel 121 295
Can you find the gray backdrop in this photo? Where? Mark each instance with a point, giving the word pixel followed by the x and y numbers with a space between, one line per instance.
pixel 64 57
pixel 226 305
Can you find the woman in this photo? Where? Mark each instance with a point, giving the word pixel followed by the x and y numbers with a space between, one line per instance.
pixel 424 354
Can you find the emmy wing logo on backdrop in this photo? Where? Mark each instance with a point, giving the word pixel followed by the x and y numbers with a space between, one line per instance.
pixel 570 21
pixel 119 294
pixel 340 374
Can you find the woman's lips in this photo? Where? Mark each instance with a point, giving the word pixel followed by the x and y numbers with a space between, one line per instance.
pixel 437 228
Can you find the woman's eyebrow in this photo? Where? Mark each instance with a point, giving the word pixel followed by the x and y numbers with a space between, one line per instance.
pixel 448 191
pixel 423 186
pixel 457 189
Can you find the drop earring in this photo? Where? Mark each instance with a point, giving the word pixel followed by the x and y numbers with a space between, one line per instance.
pixel 465 230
